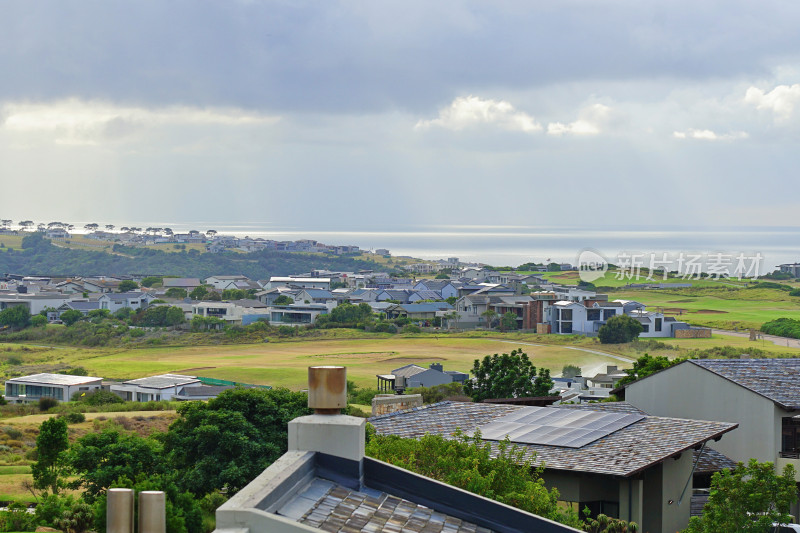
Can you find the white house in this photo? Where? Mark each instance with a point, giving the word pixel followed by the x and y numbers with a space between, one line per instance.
pixel 225 282
pixel 59 386
pixel 154 388
pixel 116 301
pixel 303 283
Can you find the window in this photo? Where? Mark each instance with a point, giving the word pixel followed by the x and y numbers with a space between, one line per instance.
pixel 790 438
pixel 658 324
pixel 645 328
pixel 593 314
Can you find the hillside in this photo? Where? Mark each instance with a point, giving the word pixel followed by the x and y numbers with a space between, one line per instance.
pixel 40 257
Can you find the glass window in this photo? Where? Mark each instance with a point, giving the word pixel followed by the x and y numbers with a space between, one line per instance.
pixel 790 436
pixel 658 324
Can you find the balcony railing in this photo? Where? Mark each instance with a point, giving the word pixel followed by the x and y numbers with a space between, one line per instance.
pixel 789 455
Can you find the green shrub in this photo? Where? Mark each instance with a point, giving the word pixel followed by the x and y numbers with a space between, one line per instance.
pixel 97 397
pixel 74 417
pixel 439 393
pixel 783 327
pixel 412 328
pixel 38 321
pixel 46 402
pixel 385 327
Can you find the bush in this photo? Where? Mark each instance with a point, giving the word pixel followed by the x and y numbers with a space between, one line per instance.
pixel 783 327
pixel 794 292
pixel 385 327
pixel 46 403
pixel 16 518
pixel 412 328
pixel 38 321
pixel 97 397
pixel 74 417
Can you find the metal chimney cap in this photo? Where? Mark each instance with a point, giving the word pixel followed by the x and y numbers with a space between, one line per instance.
pixel 327 389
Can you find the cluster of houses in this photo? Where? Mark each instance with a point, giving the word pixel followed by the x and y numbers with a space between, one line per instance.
pixel 63 387
pixel 469 298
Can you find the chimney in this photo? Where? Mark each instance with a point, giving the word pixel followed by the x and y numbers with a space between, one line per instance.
pixel 436 366
pixel 327 430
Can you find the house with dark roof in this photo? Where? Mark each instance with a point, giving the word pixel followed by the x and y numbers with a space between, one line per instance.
pixel 623 464
pixel 761 395
pixel 412 375
pixel 154 388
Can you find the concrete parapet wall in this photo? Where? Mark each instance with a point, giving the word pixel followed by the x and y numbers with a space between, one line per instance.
pixel 389 403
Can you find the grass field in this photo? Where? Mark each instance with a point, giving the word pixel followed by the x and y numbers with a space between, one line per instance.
pixel 285 363
pixel 11 241
pixel 614 280
pixel 746 308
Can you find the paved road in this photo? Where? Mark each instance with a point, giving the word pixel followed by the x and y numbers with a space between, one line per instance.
pixel 774 339
pixel 595 352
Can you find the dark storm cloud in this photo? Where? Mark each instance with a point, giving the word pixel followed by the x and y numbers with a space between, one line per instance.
pixel 370 56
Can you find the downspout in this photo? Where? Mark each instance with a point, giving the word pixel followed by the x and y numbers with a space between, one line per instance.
pixel 694 466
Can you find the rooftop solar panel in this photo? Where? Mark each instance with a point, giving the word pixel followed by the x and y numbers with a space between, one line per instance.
pixel 556 427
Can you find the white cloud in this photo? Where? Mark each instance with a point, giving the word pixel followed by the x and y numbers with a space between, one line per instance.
pixel 709 135
pixel 75 121
pixel 469 111
pixel 781 100
pixel 589 122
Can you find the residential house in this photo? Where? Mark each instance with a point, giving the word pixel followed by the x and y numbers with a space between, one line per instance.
pixel 418 296
pixel 315 296
pixel 297 314
pixel 154 388
pixel 224 282
pixel 101 284
pixel 84 306
pixel 36 303
pixel 419 312
pixel 761 395
pixel 240 312
pixel 269 296
pixel 410 376
pixel 297 282
pixel 134 300
pixel 625 465
pixel 444 287
pixel 57 233
pixel 187 284
pixel 27 389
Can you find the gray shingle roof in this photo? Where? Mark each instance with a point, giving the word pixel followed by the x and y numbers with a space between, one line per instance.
pixel 337 508
pixel 622 453
pixel 163 381
pixel 775 379
pixel 712 461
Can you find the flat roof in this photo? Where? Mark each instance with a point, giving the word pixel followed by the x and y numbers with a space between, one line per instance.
pixel 163 381
pixel 54 379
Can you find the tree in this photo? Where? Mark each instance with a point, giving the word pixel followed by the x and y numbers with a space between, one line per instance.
pixel 570 371
pixel 127 285
pixel 228 441
pixel 149 281
pixel 52 442
pixel 508 321
pixel 646 365
pixel 489 316
pixel 199 293
pixel 16 316
pixel 175 292
pixel 38 321
pixel 749 498
pixel 213 296
pixel 453 317
pixel 503 474
pixel 97 460
pixel 70 316
pixel 507 376
pixel 619 329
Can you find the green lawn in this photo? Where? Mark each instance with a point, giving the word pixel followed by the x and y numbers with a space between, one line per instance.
pixel 285 363
pixel 745 308
pixel 614 279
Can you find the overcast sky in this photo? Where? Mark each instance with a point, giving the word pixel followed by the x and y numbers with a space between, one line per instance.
pixel 319 115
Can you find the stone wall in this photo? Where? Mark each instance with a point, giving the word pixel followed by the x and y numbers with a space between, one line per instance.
pixel 693 333
pixel 389 403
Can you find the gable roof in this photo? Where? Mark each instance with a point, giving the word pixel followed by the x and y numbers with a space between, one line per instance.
pixel 775 379
pixel 624 452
